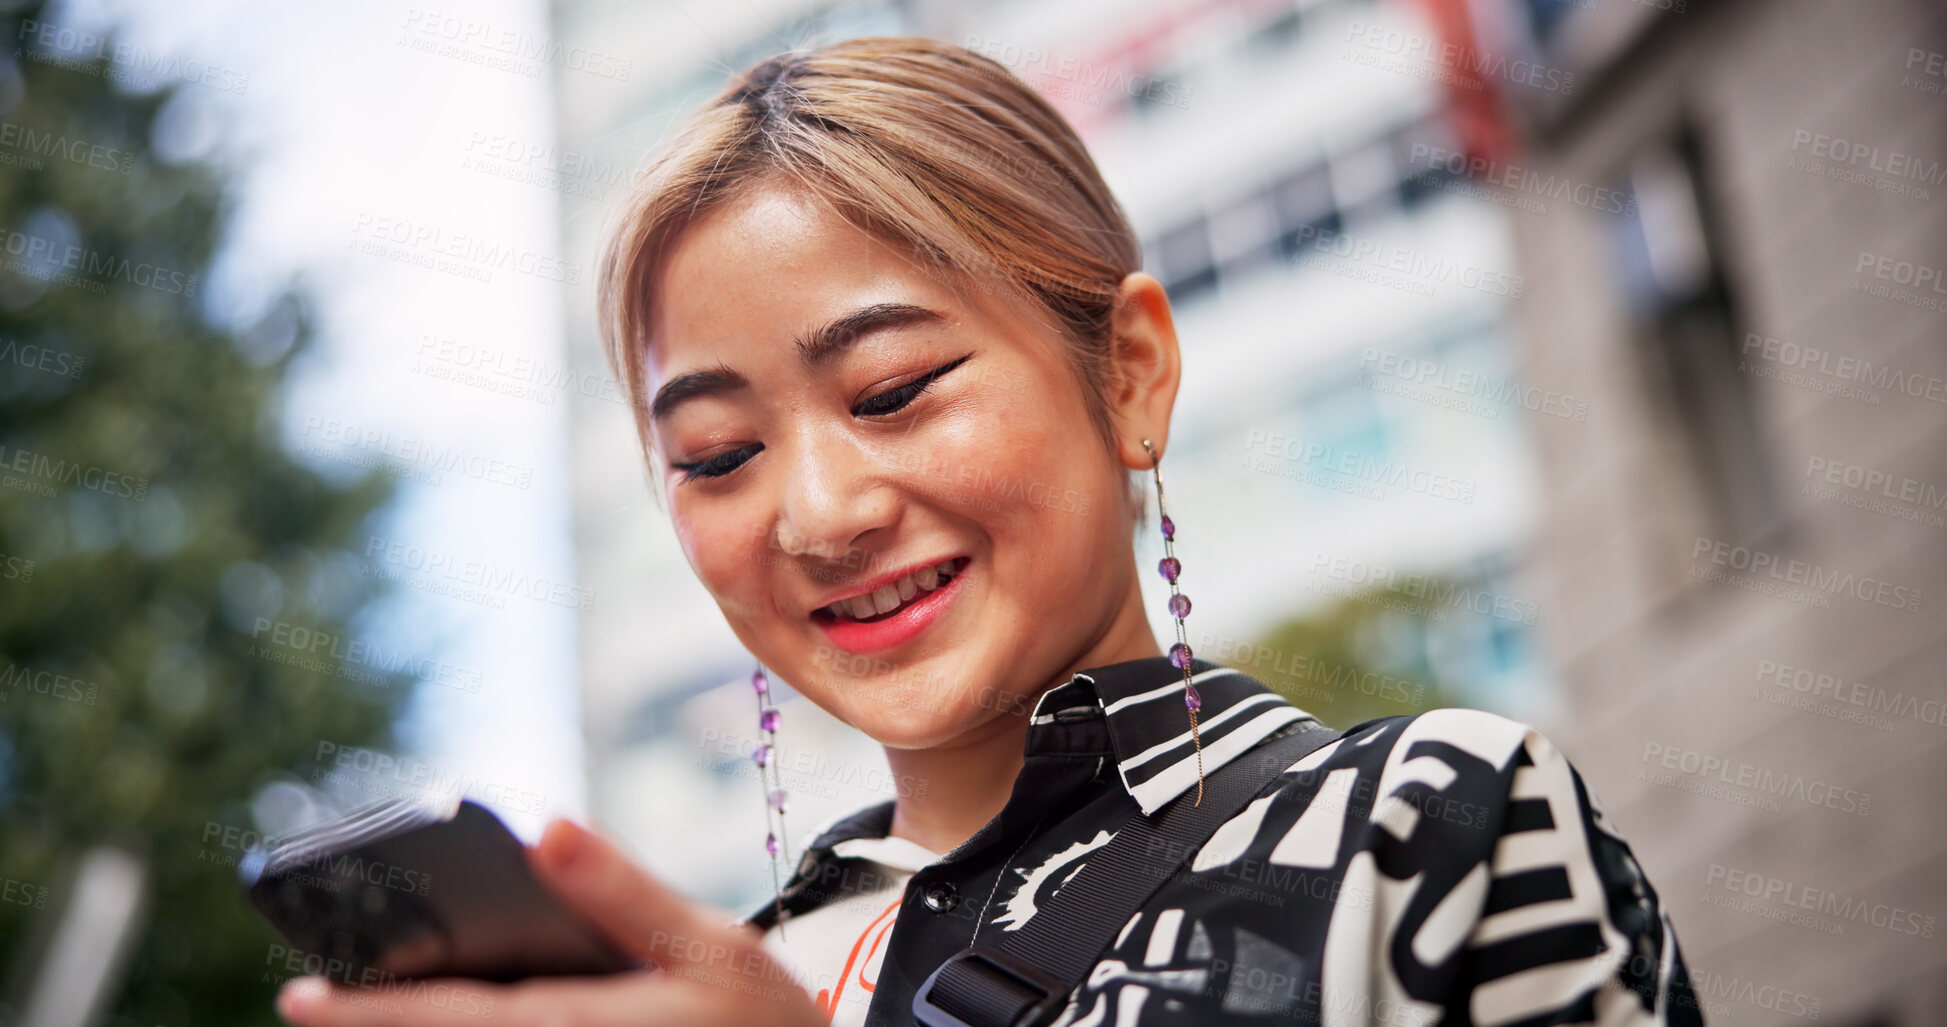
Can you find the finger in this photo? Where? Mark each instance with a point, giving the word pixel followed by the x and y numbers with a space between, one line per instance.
pixel 395 1002
pixel 583 1001
pixel 647 918
pixel 688 996
pixel 683 996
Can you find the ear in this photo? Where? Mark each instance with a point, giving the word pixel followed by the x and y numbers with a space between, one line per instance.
pixel 1145 368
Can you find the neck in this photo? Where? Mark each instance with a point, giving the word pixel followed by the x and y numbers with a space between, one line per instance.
pixel 969 779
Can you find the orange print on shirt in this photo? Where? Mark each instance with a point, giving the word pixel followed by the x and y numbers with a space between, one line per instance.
pixel 876 930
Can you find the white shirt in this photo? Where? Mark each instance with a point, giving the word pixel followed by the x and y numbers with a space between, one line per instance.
pixel 834 952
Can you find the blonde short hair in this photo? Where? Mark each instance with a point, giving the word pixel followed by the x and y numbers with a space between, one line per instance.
pixel 926 145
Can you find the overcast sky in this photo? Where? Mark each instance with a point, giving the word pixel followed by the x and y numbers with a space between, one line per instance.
pixel 369 138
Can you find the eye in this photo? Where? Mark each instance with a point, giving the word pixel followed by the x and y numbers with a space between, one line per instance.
pixel 717 466
pixel 895 399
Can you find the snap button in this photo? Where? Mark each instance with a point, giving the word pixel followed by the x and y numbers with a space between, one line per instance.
pixel 942 897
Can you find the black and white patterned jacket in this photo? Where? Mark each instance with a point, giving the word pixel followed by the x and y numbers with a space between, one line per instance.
pixel 1443 868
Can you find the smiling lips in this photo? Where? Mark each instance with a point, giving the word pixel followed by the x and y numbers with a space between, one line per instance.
pixel 893 612
pixel 891 596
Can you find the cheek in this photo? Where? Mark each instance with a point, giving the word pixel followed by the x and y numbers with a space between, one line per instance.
pixel 1047 466
pixel 984 464
pixel 728 552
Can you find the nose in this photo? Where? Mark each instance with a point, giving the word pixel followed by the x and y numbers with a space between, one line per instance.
pixel 834 505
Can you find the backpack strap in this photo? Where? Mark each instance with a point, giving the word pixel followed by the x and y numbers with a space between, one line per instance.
pixel 1026 980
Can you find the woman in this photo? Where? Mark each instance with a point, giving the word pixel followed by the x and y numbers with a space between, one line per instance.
pixel 901 384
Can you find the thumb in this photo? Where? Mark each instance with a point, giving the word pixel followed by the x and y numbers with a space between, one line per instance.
pixel 647 918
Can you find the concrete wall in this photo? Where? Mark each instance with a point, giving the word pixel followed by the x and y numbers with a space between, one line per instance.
pixel 1653 653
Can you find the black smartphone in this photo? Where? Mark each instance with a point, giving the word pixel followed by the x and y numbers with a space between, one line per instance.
pixel 408 891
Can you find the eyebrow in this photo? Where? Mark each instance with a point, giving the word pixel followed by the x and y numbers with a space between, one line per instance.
pixel 817 347
pixel 694 385
pixel 830 339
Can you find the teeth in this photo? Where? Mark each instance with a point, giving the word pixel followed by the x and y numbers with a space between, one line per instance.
pixel 887 598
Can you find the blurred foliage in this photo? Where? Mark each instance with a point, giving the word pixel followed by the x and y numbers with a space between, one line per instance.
pixel 151 523
pixel 1359 659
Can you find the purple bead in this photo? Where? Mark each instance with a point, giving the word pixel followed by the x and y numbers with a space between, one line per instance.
pixel 777 799
pixel 767 721
pixel 1169 527
pixel 1170 568
pixel 762 755
pixel 760 683
pixel 770 844
pixel 1180 656
pixel 1191 699
pixel 1179 606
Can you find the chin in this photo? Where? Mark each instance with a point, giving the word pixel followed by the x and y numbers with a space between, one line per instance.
pixel 911 718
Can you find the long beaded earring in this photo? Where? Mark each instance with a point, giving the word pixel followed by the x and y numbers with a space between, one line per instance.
pixel 1171 569
pixel 771 776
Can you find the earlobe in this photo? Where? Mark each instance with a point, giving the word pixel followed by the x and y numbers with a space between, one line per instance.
pixel 1147 367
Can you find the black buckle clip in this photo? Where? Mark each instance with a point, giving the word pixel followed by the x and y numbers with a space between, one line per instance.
pixel 1003 981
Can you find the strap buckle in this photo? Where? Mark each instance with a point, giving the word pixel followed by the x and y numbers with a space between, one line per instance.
pixel 985 986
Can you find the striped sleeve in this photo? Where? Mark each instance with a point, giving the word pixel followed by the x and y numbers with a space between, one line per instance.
pixel 1570 930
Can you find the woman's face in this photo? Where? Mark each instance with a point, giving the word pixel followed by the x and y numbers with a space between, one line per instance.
pixel 892 486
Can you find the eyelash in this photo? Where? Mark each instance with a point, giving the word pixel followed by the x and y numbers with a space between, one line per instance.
pixel 899 396
pixel 717 466
pixel 904 394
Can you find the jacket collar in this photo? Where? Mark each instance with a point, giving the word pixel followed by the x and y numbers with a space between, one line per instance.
pixel 1141 704
pixel 1131 712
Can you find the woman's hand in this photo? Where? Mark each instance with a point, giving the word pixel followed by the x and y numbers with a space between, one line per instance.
pixel 709 971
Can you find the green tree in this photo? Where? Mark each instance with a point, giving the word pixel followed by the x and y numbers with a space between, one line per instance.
pixel 151 525
pixel 1333 664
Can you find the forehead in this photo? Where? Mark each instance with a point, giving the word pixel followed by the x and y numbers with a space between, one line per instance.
pixel 766 267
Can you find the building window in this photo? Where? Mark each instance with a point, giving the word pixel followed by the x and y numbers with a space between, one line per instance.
pixel 1366 181
pixel 1184 263
pixel 1303 200
pixel 1343 419
pixel 1374 181
pixel 1548 17
pixel 1276 34
pixel 1669 259
pixel 1415 146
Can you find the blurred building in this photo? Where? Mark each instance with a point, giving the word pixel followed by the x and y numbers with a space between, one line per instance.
pixel 1348 419
pixel 1731 227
